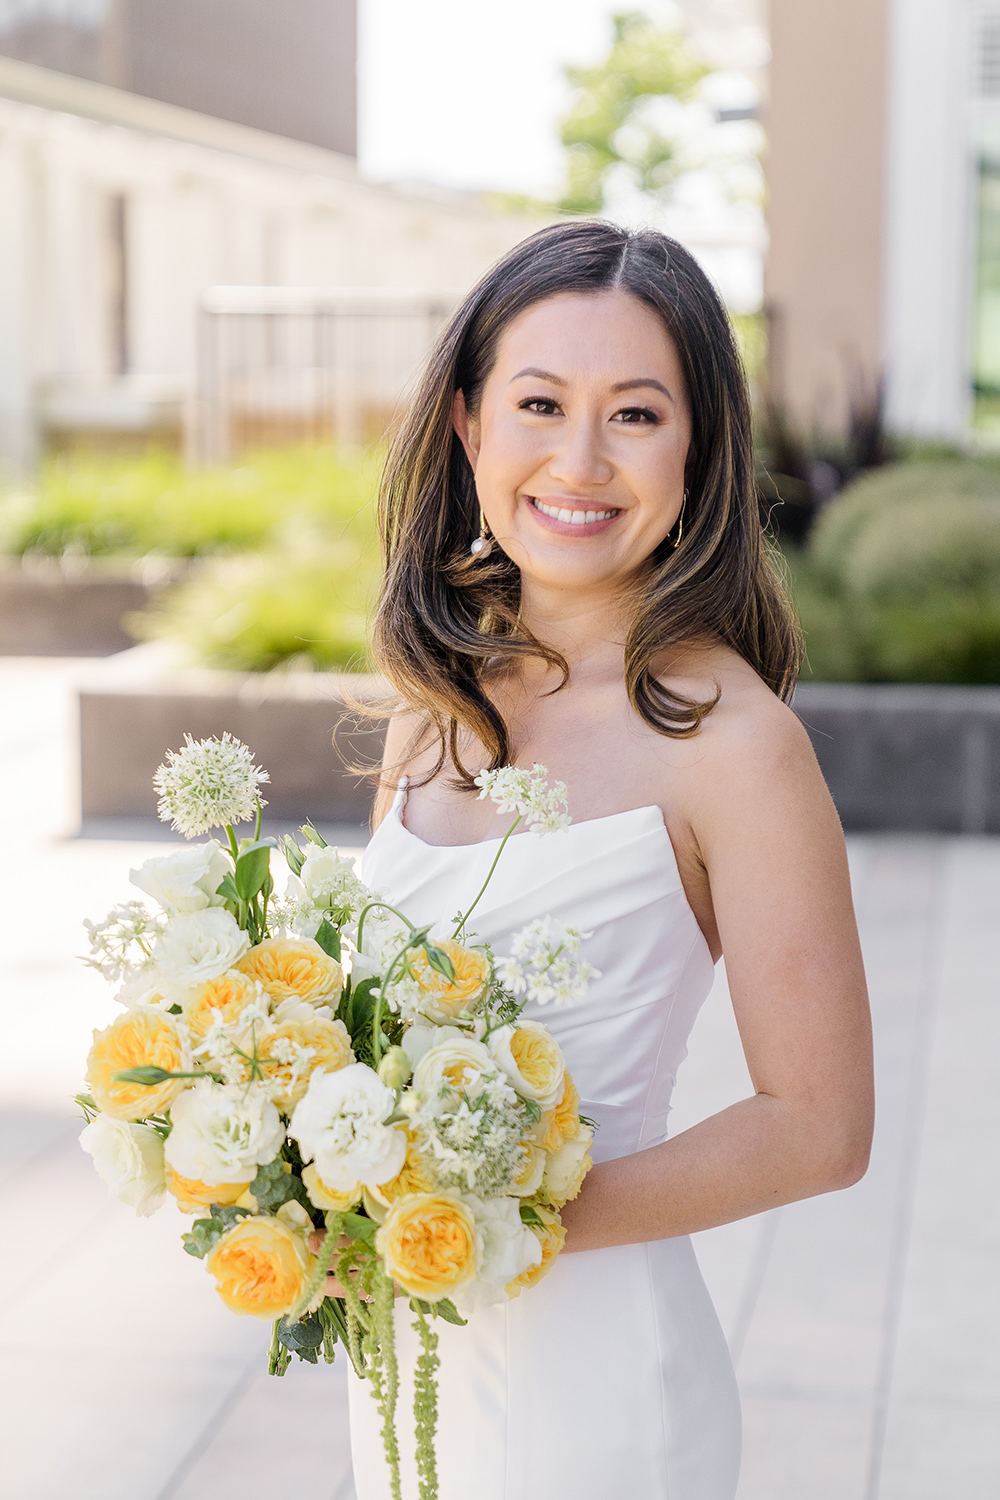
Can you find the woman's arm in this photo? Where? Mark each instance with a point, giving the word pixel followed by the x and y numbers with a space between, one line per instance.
pixel 772 847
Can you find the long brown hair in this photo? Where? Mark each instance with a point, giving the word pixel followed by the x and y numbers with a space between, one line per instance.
pixel 446 624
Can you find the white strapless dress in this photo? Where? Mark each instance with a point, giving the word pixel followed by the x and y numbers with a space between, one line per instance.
pixel 611 1377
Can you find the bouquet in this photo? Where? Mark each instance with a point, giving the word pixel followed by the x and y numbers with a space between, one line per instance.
pixel 331 1089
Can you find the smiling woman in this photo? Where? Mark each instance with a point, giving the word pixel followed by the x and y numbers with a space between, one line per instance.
pixel 576 576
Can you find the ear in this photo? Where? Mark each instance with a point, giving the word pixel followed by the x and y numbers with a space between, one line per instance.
pixel 467 428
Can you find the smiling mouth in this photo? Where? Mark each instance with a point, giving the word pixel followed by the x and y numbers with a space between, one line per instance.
pixel 573 517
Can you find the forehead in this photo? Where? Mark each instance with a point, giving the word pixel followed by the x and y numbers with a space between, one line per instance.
pixel 606 334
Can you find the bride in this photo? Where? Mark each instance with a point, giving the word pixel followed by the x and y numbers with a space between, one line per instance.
pixel 576 576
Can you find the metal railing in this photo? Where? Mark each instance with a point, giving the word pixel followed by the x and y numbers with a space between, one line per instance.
pixel 307 364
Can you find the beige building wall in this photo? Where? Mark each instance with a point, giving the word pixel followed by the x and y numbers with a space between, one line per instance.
pixel 826 126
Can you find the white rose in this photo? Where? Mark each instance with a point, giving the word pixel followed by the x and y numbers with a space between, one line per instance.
pixel 548 1061
pixel 129 1158
pixel 223 1132
pixel 420 1038
pixel 461 1063
pixel 340 1121
pixel 381 939
pixel 327 876
pixel 567 1167
pixel 186 880
pixel 198 946
pixel 508 1249
pixel 141 988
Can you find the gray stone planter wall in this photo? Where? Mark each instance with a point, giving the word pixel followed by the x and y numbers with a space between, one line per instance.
pixel 56 611
pixel 921 758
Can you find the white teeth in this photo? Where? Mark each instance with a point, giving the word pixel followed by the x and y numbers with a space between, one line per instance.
pixel 574 517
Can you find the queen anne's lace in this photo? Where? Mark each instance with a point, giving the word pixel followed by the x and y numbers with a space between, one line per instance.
pixel 529 794
pixel 543 964
pixel 208 784
pixel 121 945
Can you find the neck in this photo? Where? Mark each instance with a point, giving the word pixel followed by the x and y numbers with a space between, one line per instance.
pixel 589 630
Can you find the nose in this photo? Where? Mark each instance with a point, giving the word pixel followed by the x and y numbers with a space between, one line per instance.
pixel 580 459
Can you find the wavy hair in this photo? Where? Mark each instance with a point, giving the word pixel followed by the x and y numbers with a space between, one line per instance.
pixel 446 624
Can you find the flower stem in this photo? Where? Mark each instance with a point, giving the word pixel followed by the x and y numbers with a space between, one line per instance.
pixel 460 924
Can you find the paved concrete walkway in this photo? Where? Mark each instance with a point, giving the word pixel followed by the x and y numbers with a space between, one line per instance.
pixel 865 1325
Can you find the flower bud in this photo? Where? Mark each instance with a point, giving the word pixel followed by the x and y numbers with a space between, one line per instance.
pixel 394 1068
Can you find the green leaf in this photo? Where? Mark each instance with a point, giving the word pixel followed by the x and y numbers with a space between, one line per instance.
pixel 274 1186
pixel 360 1228
pixel 87 1105
pixel 147 1074
pixel 448 1311
pixel 328 938
pixel 304 1338
pixel 204 1234
pixel 227 888
pixel 310 833
pixel 530 1215
pixel 531 1109
pixel 439 960
pixel 252 869
pixel 293 854
pixel 175 1010
pixel 361 1007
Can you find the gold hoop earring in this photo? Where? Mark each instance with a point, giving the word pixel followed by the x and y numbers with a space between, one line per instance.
pixel 680 523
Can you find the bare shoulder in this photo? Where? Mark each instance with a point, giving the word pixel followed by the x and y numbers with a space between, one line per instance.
pixel 405 753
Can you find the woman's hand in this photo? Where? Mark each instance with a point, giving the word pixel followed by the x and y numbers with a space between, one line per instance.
pixel 334 1288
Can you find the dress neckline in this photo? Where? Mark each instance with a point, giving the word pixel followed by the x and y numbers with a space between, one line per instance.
pixel 399 800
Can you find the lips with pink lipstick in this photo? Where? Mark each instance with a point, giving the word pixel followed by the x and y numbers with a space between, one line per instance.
pixel 576 517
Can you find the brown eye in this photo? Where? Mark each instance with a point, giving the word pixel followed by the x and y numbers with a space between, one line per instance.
pixel 636 415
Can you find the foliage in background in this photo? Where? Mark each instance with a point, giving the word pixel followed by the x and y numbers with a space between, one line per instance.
pixel 132 507
pixel 900 580
pixel 610 126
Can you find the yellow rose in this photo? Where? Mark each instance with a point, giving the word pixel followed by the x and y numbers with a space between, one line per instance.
pixel 262 1266
pixel 414 1176
pixel 566 1168
pixel 229 996
pixel 428 1243
pixel 528 1177
pixel 143 1036
pixel 287 1066
pixel 443 999
pixel 530 1056
pixel 565 1120
pixel 551 1236
pixel 321 1196
pixel 294 969
pixel 192 1196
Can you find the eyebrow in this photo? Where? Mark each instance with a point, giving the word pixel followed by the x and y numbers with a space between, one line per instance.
pixel 645 382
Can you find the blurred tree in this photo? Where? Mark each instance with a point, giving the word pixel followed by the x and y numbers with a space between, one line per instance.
pixel 610 124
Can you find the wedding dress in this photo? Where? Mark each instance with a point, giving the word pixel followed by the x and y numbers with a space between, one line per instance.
pixel 611 1377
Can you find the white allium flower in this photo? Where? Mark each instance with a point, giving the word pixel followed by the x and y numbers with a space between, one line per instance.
pixel 122 944
pixel 208 784
pixel 340 1122
pixel 198 946
pixel 129 1158
pixel 529 795
pixel 223 1132
pixel 508 1249
pixel 186 880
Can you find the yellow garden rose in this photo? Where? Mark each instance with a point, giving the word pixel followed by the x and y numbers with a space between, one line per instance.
pixel 287 1067
pixel 566 1168
pixel 538 1058
pixel 294 969
pixel 528 1178
pixel 143 1036
pixel 192 1196
pixel 226 997
pixel 444 999
pixel 565 1121
pixel 551 1236
pixel 428 1243
pixel 414 1176
pixel 263 1265
pixel 321 1196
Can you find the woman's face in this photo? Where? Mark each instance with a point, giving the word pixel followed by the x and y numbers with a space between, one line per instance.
pixel 580 440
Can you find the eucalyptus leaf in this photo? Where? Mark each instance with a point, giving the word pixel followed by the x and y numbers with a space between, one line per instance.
pixel 204 1234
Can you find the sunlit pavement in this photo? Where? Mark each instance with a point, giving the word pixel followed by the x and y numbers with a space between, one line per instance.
pixel 865 1325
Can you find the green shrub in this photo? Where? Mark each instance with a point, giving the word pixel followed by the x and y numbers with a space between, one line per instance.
pixel 306 604
pixel 900 581
pixel 135 506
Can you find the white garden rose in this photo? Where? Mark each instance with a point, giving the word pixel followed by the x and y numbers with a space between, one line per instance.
pixel 340 1123
pixel 186 880
pixel 567 1167
pixel 326 881
pixel 460 1062
pixel 129 1158
pixel 223 1133
pixel 508 1248
pixel 198 946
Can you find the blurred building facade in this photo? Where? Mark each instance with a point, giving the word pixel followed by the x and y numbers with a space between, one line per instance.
pixel 288 68
pixel 120 211
pixel 883 172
